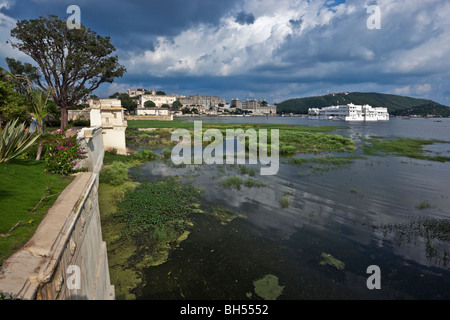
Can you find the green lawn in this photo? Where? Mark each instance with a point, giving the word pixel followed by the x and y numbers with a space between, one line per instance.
pixel 23 184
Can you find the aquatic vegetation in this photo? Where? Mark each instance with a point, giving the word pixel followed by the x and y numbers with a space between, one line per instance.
pixel 235 182
pixel 166 153
pixel 293 139
pixel 245 170
pixel 403 147
pixel 251 183
pixel 115 174
pixel 284 202
pixel 157 204
pixel 424 205
pixel 268 287
pixel 225 215
pixel 328 259
pixel 231 183
pixel 322 164
pixel 438 229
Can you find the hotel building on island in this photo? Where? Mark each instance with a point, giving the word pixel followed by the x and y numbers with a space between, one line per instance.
pixel 349 112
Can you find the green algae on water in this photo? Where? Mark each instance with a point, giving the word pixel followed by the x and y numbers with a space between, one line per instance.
pixel 328 259
pixel 268 287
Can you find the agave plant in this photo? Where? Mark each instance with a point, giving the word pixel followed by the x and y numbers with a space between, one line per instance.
pixel 14 140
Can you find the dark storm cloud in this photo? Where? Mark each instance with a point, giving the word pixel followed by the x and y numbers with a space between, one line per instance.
pixel 134 23
pixel 245 18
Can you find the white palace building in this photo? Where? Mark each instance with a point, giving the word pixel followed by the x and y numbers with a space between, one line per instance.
pixel 349 112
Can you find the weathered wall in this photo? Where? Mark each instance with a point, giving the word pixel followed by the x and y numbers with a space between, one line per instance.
pixel 67 244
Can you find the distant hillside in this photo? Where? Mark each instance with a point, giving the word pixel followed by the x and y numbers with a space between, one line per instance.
pixel 430 109
pixel 393 102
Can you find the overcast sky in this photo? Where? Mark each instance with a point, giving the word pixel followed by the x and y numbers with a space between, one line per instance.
pixel 264 49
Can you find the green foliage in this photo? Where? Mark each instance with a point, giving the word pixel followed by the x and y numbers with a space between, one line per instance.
pixel 12 104
pixel 231 183
pixel 156 205
pixel 284 202
pixel 177 104
pixel 115 174
pixel 424 205
pixel 429 109
pixel 149 104
pixel 14 140
pixel 292 142
pixel 80 59
pixel 127 102
pixel 235 182
pixel 63 154
pixel 246 170
pixel 166 153
pixel 403 147
pixel 144 155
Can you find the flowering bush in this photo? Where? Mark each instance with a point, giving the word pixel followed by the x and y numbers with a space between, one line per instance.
pixel 63 154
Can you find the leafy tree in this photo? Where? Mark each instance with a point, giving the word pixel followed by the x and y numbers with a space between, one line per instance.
pixel 165 106
pixel 127 102
pixel 177 105
pixel 74 62
pixel 26 72
pixel 149 104
pixel 160 93
pixel 13 105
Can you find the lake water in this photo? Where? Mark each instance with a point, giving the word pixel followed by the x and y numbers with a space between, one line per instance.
pixel 344 212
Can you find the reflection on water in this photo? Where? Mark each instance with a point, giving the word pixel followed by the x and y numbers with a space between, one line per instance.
pixel 340 212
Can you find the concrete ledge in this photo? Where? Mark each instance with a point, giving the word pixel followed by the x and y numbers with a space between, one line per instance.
pixel 70 234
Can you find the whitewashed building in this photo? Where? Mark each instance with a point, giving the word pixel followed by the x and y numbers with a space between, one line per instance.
pixel 349 112
pixel 159 100
pixel 109 114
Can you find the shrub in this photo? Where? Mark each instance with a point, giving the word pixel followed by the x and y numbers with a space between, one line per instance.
pixel 166 153
pixel 115 174
pixel 144 155
pixel 63 153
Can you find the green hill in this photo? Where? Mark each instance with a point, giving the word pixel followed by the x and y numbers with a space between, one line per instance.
pixel 394 103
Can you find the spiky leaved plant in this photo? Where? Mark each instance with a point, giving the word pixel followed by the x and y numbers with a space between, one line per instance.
pixel 14 140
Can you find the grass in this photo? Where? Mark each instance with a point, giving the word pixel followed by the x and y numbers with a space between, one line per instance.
pixel 292 139
pixel 235 182
pixel 284 202
pixel 403 147
pixel 184 124
pixel 424 205
pixel 321 164
pixel 23 185
pixel 231 183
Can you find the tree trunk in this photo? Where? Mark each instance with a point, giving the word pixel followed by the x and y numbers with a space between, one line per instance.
pixel 64 118
pixel 39 150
